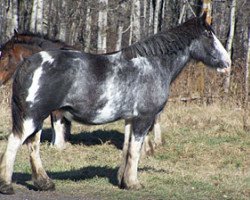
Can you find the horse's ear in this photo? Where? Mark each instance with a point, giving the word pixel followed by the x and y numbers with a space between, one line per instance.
pixel 203 18
pixel 15 32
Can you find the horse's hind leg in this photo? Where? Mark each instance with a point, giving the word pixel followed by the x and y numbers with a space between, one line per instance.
pixel 60 130
pixel 39 175
pixel 127 175
pixel 7 163
pixel 7 160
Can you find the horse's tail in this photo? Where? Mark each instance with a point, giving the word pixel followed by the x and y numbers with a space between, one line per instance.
pixel 18 99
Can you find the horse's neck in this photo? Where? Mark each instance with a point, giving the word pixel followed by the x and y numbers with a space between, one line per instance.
pixel 178 62
pixel 24 51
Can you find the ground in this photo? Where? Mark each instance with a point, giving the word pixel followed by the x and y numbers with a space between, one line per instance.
pixel 205 156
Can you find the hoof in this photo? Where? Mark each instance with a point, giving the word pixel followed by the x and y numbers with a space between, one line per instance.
pixel 44 185
pixel 134 186
pixel 6 188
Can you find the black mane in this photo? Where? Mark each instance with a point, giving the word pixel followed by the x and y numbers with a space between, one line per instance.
pixel 167 42
pixel 37 39
pixel 39 36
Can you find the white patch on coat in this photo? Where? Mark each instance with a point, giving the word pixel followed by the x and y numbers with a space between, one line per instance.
pixel 222 51
pixel 35 85
pixel 28 128
pixel 46 57
pixel 135 111
pixel 142 63
pixel 112 95
pixel 36 76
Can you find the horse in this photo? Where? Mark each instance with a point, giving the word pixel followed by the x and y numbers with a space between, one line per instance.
pixel 23 45
pixel 131 84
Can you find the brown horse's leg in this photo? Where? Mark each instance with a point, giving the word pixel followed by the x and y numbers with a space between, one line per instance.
pixel 158 140
pixel 61 129
pixel 149 146
pixel 7 163
pixel 39 175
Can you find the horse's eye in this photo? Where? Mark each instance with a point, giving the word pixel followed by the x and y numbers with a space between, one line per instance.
pixel 208 34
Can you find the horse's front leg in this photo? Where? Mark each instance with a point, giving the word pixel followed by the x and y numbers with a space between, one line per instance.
pixel 60 130
pixel 127 175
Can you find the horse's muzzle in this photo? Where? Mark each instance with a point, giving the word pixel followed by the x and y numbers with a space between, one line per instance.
pixel 225 67
pixel 225 70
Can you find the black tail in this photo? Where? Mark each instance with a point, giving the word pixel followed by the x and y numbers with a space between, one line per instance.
pixel 18 100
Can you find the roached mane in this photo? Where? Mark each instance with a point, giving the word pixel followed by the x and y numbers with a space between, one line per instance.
pixel 168 42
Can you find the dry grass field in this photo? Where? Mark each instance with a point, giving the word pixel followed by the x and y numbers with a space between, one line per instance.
pixel 206 155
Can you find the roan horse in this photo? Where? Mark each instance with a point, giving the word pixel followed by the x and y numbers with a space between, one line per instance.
pixel 23 45
pixel 131 84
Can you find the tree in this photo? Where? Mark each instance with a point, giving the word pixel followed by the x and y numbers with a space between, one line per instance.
pixel 230 42
pixel 102 26
pixel 135 26
pixel 245 103
pixel 12 17
pixel 36 24
pixel 88 30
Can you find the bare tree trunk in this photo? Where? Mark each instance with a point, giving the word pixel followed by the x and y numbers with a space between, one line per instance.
pixel 156 15
pixel 136 20
pixel 62 21
pixel 151 18
pixel 245 104
pixel 230 42
pixel 183 10
pixel 36 24
pixel 12 17
pixel 88 30
pixel 102 26
pixel 119 36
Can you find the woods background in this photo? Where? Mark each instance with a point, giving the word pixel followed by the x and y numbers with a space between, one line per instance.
pixel 100 26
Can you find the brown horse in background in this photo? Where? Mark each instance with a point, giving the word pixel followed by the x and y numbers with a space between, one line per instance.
pixel 23 45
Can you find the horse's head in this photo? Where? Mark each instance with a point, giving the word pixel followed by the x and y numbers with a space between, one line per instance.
pixel 208 49
pixel 6 62
pixel 11 54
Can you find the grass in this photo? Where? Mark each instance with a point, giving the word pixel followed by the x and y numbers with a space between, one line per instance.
pixel 206 156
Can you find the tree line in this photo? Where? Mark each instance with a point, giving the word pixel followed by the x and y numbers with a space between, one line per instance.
pixel 100 26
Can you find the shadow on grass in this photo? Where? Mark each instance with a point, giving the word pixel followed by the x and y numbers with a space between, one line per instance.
pixel 97 137
pixel 73 175
pixel 84 173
